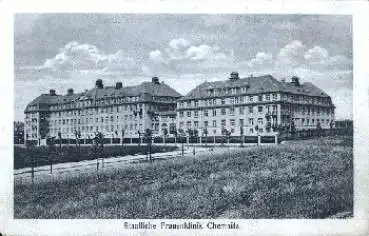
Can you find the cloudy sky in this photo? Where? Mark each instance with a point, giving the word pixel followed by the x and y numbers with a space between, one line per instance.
pixel 62 51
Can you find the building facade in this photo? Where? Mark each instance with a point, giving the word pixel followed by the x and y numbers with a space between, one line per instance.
pixel 116 111
pixel 237 106
pixel 254 105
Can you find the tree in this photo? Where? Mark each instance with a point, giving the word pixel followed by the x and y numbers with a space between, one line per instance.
pixel 241 134
pixel 181 134
pixel 165 133
pixel 51 143
pixel 122 133
pixel 99 146
pixel 205 132
pixel 60 140
pixel 226 133
pixel 78 136
pixel 292 126
pixel 195 133
pixel 148 137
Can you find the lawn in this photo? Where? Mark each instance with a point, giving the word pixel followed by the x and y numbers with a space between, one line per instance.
pixel 300 179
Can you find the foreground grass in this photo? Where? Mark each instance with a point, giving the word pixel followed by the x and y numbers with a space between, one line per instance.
pixel 302 179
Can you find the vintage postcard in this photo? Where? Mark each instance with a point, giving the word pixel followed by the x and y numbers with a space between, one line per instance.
pixel 151 118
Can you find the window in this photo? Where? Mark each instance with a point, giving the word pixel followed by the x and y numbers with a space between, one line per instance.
pixel 189 114
pixel 223 101
pixel 181 124
pixel 188 124
pixel 196 103
pixel 206 113
pixel 241 122
pixel 196 124
pixel 214 112
pixel 267 97
pixel 231 111
pixel 260 121
pixel 189 104
pixel 223 123
pixel 223 111
pixel 251 98
pixel 196 114
pixel 260 98
pixel 181 114
pixel 233 122
pixel 251 109
pixel 214 123
pixel 242 110
pixel 274 96
pixel 206 123
pixel 251 121
pixel 260 108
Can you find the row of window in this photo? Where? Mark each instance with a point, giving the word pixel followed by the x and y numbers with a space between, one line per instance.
pixel 230 111
pixel 231 100
pixel 256 98
pixel 106 128
pixel 223 123
pixel 85 103
pixel 307 110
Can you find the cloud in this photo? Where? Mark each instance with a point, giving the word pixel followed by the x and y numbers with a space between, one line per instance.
pixel 85 57
pixel 260 61
pixel 296 55
pixel 180 56
pixel 291 55
pixel 179 43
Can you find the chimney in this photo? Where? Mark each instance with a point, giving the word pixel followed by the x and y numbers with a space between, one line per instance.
pixel 295 81
pixel 234 76
pixel 99 84
pixel 70 91
pixel 118 85
pixel 52 92
pixel 155 80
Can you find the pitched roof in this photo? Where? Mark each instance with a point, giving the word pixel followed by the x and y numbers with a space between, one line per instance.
pixel 155 89
pixel 259 84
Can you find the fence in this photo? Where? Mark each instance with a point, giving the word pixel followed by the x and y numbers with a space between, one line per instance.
pixel 260 139
pixel 305 134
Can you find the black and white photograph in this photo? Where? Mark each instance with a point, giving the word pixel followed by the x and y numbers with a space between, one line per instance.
pixel 161 120
pixel 183 116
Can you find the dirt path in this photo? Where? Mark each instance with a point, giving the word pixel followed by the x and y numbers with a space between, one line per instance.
pixel 70 169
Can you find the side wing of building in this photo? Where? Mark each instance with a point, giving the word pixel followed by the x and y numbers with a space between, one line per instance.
pixel 254 105
pixel 116 111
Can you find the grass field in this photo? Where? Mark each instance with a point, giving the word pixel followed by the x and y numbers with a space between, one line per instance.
pixel 301 179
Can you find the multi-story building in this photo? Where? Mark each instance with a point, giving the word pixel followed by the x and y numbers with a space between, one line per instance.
pixel 115 111
pixel 256 105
